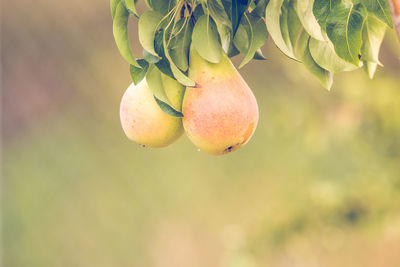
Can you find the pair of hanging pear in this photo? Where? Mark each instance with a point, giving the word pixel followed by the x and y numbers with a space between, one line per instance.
pixel 220 112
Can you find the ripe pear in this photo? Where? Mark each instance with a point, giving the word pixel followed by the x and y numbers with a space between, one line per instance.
pixel 142 119
pixel 220 112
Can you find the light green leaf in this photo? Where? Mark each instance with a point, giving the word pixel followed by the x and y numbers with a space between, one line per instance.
pixel 131 6
pixel 369 68
pixel 325 77
pixel 113 6
pixel 154 81
pixel 373 33
pixel 148 23
pixel 324 55
pixel 380 8
pixel 120 30
pixel 206 40
pixel 304 9
pixel 276 21
pixel 344 27
pixel 295 28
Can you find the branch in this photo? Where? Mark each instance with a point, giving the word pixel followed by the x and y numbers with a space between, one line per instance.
pixel 395 10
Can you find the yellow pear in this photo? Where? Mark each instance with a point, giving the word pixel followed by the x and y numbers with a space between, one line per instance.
pixel 220 112
pixel 142 119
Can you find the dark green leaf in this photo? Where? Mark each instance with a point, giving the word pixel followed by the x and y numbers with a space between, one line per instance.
pixel 138 74
pixel 258 34
pixel 260 8
pixel 161 6
pixel 168 109
pixel 162 64
pixel 321 10
pixel 218 13
pixel 177 73
pixel 239 7
pixel 179 45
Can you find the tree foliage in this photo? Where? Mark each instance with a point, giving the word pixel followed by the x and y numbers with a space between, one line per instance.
pixel 327 36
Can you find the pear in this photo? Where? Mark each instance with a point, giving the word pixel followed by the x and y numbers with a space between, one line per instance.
pixel 142 119
pixel 220 112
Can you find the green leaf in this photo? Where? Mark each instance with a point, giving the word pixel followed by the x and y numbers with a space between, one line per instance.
pixel 238 8
pixel 163 64
pixel 120 30
pixel 325 77
pixel 168 109
pixel 177 73
pixel 161 6
pixel 258 34
pixel 113 7
pixel 321 10
pixel 344 27
pixel 276 19
pixel 206 40
pixel 131 6
pixel 180 42
pixel 369 68
pixel 233 51
pixel 218 13
pixel 373 33
pixel 154 81
pixel 148 23
pixel 260 8
pixel 259 55
pixel 380 8
pixel 138 74
pixel 242 37
pixel 304 9
pixel 225 34
pixel 295 28
pixel 324 55
pixel 150 58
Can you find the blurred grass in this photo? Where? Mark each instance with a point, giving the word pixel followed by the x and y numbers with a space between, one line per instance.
pixel 318 184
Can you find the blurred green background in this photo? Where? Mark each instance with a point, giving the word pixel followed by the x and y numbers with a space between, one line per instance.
pixel 318 184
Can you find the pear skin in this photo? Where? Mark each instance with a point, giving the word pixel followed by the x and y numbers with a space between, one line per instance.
pixel 220 112
pixel 142 119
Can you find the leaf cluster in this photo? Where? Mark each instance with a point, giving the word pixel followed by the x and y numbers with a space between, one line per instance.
pixel 327 36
